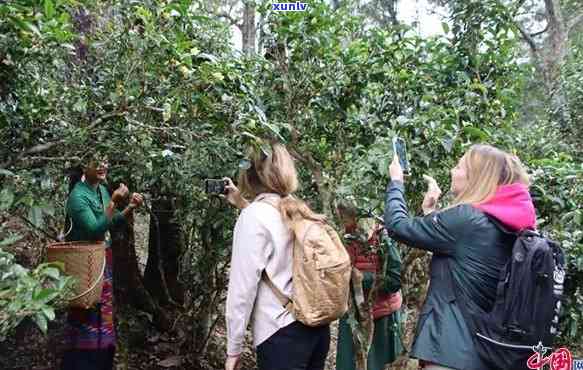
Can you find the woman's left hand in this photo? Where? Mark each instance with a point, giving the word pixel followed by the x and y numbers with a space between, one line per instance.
pixel 395 170
pixel 136 200
pixel 431 196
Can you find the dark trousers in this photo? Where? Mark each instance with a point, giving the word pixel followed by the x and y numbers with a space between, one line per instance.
pixel 295 347
pixel 101 359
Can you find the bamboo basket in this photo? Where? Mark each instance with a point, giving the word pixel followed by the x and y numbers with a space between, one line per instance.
pixel 85 261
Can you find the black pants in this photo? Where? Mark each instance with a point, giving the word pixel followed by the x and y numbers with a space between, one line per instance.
pixel 101 359
pixel 295 347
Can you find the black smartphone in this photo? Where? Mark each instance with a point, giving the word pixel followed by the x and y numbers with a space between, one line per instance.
pixel 214 186
pixel 400 149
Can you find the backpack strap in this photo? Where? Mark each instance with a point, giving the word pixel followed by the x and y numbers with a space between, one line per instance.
pixel 285 301
pixel 501 226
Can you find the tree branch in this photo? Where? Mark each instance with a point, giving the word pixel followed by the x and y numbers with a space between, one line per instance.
pixel 163 129
pixel 41 148
pixel 574 22
pixel 231 20
pixel 527 37
pixel 518 6
pixel 540 32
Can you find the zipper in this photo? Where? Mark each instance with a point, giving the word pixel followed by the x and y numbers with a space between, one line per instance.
pixel 514 346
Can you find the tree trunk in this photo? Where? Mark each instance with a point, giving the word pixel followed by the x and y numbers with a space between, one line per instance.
pixel 165 246
pixel 249 28
pixel 128 285
pixel 556 50
pixel 550 57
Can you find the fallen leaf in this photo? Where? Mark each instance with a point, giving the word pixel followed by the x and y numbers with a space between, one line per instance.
pixel 154 338
pixel 171 361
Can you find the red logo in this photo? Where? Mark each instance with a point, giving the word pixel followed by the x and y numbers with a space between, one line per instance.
pixel 559 360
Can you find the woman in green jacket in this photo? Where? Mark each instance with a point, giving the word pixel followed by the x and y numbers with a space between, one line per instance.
pixel 90 334
pixel 469 250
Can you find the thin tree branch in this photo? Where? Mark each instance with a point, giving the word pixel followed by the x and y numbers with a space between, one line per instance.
pixel 518 6
pixel 231 20
pixel 536 34
pixel 40 148
pixel 56 159
pixel 44 232
pixel 574 22
pixel 154 128
pixel 527 37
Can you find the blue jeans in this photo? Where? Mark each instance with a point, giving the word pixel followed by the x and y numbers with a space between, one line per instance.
pixel 295 347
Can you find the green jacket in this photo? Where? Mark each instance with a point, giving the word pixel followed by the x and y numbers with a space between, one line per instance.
pixel 468 253
pixel 85 209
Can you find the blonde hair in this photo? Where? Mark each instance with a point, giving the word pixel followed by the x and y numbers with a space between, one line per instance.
pixel 275 172
pixel 487 168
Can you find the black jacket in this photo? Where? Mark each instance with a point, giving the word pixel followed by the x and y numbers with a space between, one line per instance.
pixel 468 253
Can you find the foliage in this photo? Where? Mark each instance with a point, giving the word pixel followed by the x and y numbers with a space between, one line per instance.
pixel 158 87
pixel 26 293
pixel 29 293
pixel 573 81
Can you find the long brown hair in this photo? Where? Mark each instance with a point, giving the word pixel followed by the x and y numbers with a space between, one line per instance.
pixel 275 172
pixel 487 168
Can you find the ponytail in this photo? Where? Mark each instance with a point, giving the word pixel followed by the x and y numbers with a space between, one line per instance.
pixel 75 174
pixel 294 210
pixel 275 172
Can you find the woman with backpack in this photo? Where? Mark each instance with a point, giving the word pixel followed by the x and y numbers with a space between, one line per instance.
pixel 262 242
pixel 469 250
pixel 381 270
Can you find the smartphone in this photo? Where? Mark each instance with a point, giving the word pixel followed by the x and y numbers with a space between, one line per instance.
pixel 214 186
pixel 400 149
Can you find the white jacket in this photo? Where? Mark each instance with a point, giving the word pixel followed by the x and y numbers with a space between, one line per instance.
pixel 261 241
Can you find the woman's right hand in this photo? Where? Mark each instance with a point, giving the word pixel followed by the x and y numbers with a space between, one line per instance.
pixel 234 195
pixel 233 362
pixel 120 193
pixel 431 196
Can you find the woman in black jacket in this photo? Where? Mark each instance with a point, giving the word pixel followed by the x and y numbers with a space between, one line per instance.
pixel 468 249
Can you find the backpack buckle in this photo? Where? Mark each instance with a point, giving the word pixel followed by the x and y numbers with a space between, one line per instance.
pixel 515 332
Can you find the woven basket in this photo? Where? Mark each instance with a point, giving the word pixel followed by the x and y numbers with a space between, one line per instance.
pixel 85 261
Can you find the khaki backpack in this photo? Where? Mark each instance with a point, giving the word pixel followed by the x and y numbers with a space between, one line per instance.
pixel 321 274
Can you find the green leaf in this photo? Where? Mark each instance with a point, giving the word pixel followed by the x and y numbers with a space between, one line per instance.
pixel 51 272
pixel 476 133
pixel 6 172
pixel 46 295
pixel 49 8
pixel 6 199
pixel 41 321
pixel 49 312
pixel 445 27
pixel 10 240
pixel 35 216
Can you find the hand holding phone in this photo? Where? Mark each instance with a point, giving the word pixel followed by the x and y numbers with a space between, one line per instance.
pixel 215 186
pixel 400 149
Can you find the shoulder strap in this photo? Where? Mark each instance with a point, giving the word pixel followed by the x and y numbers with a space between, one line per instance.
pixel 285 301
pixel 500 226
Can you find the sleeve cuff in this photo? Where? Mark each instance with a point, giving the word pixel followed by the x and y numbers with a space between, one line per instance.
pixel 234 351
pixel 396 184
pixel 118 218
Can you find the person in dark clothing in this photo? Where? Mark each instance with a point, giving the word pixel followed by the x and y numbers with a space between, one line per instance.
pixel 468 249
